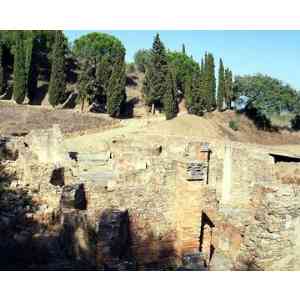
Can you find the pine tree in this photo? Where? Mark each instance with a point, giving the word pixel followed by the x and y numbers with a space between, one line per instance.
pixel 157 73
pixel 169 99
pixel 103 73
pixel 57 80
pixel 116 94
pixel 85 85
pixel 19 89
pixel 2 78
pixel 183 48
pixel 221 87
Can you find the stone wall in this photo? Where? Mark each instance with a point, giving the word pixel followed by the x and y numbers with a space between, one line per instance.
pixel 240 211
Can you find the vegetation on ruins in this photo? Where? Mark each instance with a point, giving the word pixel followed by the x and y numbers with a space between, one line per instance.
pixel 19 91
pixel 57 80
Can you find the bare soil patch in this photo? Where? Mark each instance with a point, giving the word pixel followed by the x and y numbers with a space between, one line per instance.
pixel 215 125
pixel 20 119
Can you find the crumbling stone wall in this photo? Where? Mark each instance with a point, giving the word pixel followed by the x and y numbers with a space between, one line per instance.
pixel 240 211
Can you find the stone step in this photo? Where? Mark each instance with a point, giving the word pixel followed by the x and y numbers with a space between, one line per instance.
pixel 101 177
pixel 93 157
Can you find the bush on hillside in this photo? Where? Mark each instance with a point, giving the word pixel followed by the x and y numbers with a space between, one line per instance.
pixel 295 122
pixel 130 68
pixel 233 125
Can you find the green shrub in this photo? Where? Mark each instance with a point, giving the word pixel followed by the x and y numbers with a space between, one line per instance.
pixel 130 68
pixel 295 122
pixel 234 125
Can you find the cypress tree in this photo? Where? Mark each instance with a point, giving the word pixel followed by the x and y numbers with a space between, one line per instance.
pixel 221 87
pixel 57 80
pixel 205 81
pixel 211 82
pixel 2 78
pixel 19 89
pixel 157 73
pixel 197 106
pixel 31 66
pixel 188 91
pixel 116 93
pixel 147 86
pixel 183 48
pixel 228 88
pixel 169 99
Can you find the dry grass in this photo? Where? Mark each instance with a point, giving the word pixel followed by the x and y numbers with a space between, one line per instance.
pixel 215 125
pixel 282 121
pixel 20 119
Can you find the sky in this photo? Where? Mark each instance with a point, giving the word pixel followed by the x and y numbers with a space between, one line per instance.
pixel 275 53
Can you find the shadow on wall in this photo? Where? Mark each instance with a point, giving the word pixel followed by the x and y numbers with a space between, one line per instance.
pixel 205 239
pixel 16 226
pixel 35 238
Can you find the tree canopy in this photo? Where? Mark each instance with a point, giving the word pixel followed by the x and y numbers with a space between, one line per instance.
pixel 142 59
pixel 155 80
pixel 266 94
pixel 96 44
pixel 183 66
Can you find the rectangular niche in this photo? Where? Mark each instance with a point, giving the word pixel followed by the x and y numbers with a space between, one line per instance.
pixel 197 171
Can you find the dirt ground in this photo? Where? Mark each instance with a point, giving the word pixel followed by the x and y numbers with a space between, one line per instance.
pixel 20 119
pixel 213 126
pixel 87 130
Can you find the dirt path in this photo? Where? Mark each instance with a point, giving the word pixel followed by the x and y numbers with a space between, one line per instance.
pixel 210 128
pixel 95 142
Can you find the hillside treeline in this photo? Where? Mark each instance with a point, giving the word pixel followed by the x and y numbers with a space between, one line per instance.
pixel 93 70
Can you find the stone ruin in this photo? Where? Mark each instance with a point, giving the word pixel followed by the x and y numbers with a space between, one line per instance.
pixel 165 203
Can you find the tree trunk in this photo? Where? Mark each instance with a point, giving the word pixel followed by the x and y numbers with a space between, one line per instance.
pixel 82 105
pixel 153 109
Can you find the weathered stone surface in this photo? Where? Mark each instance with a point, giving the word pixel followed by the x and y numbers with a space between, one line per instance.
pixel 193 262
pixel 73 197
pixel 47 145
pixel 245 213
pixel 77 237
pixel 113 237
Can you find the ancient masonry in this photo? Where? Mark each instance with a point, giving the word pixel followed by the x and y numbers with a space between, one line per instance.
pixel 163 201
